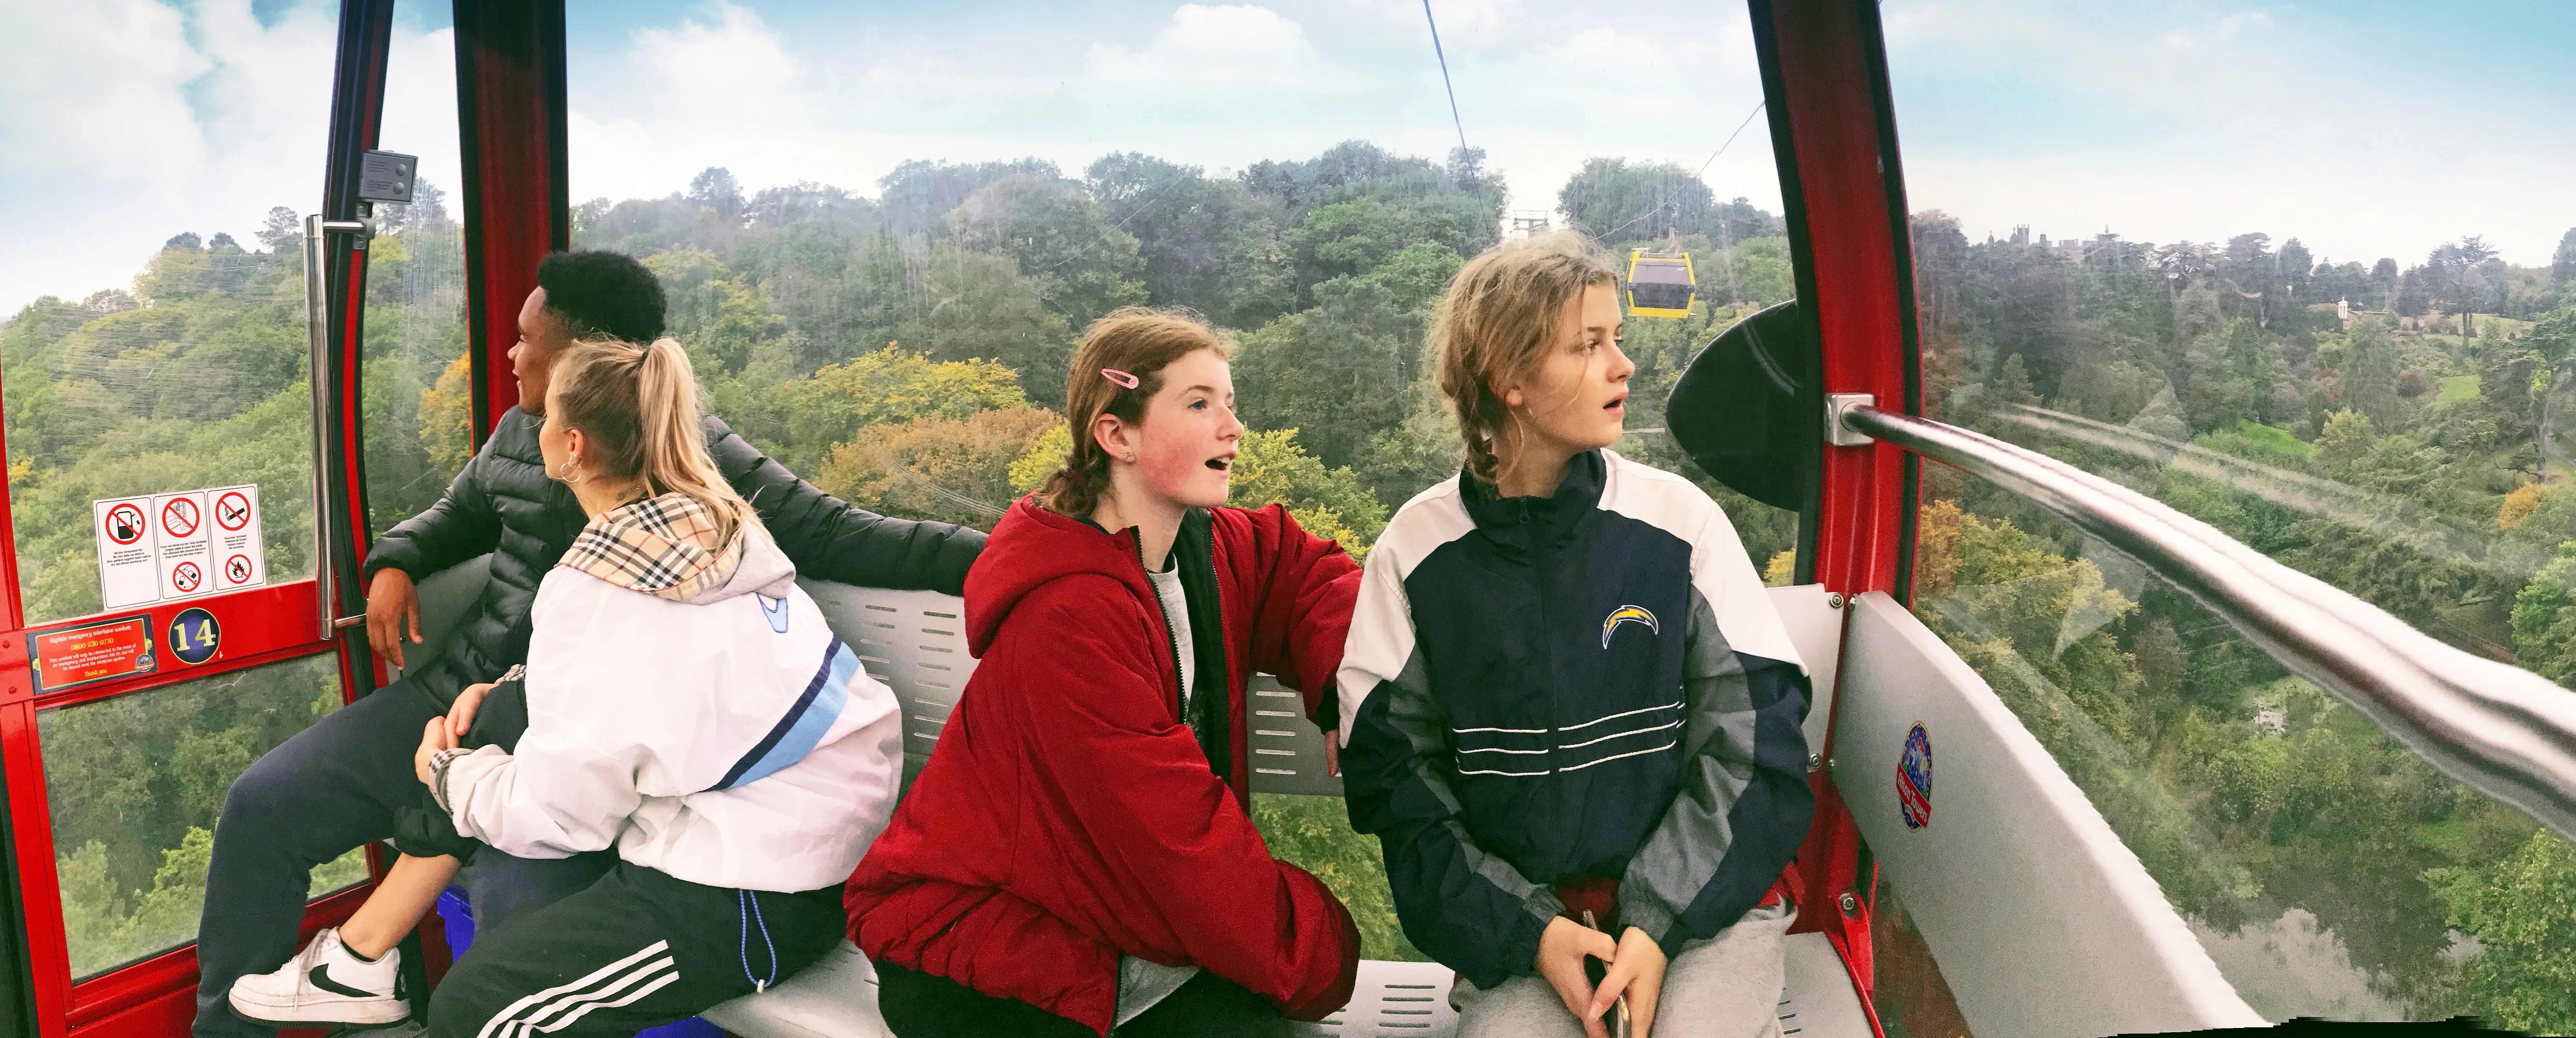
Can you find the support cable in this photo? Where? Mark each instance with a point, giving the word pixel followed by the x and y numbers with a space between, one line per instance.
pixel 1444 75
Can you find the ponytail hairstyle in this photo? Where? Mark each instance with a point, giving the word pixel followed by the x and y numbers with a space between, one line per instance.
pixel 637 406
pixel 1133 345
pixel 1495 325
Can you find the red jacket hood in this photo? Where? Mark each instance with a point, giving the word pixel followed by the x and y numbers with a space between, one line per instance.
pixel 1032 546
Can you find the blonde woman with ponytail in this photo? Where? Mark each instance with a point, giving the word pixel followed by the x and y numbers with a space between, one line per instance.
pixel 685 705
pixel 1078 854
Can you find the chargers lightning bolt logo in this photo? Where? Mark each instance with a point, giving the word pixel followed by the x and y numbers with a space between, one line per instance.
pixel 1627 614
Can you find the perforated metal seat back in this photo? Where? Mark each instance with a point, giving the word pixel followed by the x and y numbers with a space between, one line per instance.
pixel 915 642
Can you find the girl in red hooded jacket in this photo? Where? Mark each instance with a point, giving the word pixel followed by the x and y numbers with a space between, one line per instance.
pixel 1078 852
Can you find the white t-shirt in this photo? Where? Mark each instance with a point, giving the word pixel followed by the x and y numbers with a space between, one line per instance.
pixel 1142 983
pixel 1176 613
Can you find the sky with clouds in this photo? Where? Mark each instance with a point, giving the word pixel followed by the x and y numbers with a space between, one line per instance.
pixel 2363 128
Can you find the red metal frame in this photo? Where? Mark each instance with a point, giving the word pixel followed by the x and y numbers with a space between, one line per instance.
pixel 517 208
pixel 261 626
pixel 1824 72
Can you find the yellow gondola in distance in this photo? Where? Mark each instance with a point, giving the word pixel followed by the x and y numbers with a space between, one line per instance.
pixel 1660 283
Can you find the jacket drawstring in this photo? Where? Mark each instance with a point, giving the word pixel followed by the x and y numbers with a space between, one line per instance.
pixel 749 910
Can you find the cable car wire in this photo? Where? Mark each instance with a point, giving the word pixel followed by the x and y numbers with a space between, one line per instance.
pixel 1444 75
pixel 1730 138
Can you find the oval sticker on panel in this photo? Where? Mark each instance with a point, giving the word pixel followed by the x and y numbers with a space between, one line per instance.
pixel 1914 778
pixel 194 636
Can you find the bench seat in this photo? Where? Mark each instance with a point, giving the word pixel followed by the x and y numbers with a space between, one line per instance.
pixel 915 642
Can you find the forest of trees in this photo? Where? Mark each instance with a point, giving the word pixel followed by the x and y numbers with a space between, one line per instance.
pixel 2387 427
pixel 2382 428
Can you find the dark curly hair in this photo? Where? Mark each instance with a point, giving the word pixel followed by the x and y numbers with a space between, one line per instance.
pixel 603 294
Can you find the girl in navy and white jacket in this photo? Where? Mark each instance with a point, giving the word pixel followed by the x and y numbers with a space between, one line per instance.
pixel 1564 690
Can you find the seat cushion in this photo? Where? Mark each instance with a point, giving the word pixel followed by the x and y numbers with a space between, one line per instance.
pixel 833 998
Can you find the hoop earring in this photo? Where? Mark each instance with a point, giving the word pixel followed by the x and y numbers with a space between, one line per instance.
pixel 569 477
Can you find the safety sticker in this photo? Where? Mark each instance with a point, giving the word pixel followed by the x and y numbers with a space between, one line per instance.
pixel 181 546
pixel 165 546
pixel 125 558
pixel 88 653
pixel 240 557
pixel 1914 778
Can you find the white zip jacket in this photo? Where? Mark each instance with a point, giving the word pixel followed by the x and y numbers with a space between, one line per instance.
pixel 725 738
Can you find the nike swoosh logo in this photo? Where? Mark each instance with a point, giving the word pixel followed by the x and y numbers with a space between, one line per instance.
pixel 322 979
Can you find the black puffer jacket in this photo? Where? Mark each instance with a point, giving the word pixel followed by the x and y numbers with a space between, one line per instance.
pixel 504 503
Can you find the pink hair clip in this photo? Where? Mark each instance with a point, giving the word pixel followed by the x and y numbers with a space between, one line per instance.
pixel 1120 377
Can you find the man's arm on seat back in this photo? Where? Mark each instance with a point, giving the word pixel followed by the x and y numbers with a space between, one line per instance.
pixel 462 525
pixel 828 539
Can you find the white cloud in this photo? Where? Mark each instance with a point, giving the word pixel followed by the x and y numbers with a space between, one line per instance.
pixel 709 70
pixel 1211 47
pixel 87 89
pixel 2181 121
pixel 124 122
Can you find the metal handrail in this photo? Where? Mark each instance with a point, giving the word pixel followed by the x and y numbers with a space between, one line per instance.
pixel 2502 730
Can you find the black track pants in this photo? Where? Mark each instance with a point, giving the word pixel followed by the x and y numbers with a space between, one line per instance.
pixel 637 949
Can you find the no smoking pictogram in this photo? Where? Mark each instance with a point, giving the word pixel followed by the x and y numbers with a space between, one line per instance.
pixel 232 510
pixel 180 517
pixel 186 576
pixel 125 524
pixel 237 569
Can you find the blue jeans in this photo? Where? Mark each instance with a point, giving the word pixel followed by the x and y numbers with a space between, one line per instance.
pixel 332 787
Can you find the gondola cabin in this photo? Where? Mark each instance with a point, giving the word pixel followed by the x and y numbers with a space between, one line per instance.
pixel 2055 718
pixel 1660 284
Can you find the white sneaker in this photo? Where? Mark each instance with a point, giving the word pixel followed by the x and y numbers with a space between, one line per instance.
pixel 325 984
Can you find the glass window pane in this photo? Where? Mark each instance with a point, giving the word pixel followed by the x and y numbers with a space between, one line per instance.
pixel 879 257
pixel 419 392
pixel 152 276
pixel 2327 870
pixel 134 784
pixel 2127 256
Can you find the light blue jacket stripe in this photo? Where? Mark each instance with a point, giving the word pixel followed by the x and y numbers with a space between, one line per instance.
pixel 806 731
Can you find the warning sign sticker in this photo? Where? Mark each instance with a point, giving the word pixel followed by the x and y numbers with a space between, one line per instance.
pixel 92 652
pixel 126 564
pixel 179 516
pixel 239 558
pixel 180 546
pixel 233 508
pixel 125 523
pixel 166 546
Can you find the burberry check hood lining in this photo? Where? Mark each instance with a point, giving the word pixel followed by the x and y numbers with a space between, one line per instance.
pixel 666 546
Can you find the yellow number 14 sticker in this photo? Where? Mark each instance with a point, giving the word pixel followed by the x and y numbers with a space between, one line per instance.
pixel 195 636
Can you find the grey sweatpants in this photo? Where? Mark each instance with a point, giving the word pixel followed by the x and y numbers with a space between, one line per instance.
pixel 1727 986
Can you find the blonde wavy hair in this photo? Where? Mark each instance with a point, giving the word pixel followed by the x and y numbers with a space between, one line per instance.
pixel 1494 324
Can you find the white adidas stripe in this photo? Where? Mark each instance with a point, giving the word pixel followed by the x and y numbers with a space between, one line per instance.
pixel 612 974
pixel 667 978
